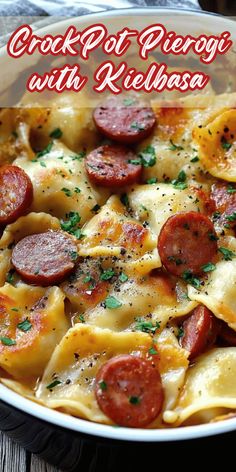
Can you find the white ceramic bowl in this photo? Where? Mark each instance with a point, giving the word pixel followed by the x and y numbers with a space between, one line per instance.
pixel 177 20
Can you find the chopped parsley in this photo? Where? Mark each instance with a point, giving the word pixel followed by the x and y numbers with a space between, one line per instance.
pixel 175 147
pixel 73 220
pixel 134 400
pixel 151 181
pixel 56 133
pixel 216 215
pixel 152 351
pixel 148 156
pixel 112 303
pixel 42 163
pixel 180 182
pixel 231 189
pixel 128 101
pixel 107 274
pixel 123 277
pixel 45 151
pixel 225 145
pixel 209 267
pixel 7 341
pixel 176 260
pixel 231 217
pixel 10 276
pixel 87 279
pixel 67 192
pixel 146 326
pixel 78 233
pixel 103 385
pixel 79 156
pixel 96 208
pixel 124 200
pixel 213 237
pixel 195 159
pixel 135 162
pixel 138 126
pixel 81 318
pixel 53 384
pixel 180 332
pixel 226 253
pixel 191 279
pixel 77 190
pixel 73 255
pixel 24 325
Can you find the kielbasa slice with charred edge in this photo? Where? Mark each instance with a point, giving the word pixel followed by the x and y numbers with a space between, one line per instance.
pixel 129 390
pixel 45 258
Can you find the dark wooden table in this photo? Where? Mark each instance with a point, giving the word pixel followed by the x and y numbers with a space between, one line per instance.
pixel 14 458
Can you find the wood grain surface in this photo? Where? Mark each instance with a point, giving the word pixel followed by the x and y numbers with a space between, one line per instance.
pixel 14 458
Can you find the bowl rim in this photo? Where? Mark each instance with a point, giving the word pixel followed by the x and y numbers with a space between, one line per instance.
pixel 88 427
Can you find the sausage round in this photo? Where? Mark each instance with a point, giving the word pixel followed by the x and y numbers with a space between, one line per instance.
pixel 129 391
pixel 200 331
pixel 45 258
pixel 16 193
pixel 111 166
pixel 187 241
pixel 224 196
pixel 125 124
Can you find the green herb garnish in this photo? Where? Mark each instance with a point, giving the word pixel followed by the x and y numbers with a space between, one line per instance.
pixel 45 151
pixel 7 341
pixel 138 126
pixel 191 279
pixel 107 274
pixel 209 267
pixel 56 133
pixel 103 385
pixel 151 181
pixel 96 208
pixel 180 182
pixel 73 255
pixel 53 384
pixel 112 303
pixel 174 147
pixel 24 325
pixel 225 145
pixel 10 276
pixel 123 277
pixel 128 101
pixel 146 326
pixel 231 217
pixel 152 351
pixel 67 191
pixel 195 159
pixel 231 189
pixel 134 400
pixel 148 156
pixel 124 200
pixel 180 332
pixel 226 253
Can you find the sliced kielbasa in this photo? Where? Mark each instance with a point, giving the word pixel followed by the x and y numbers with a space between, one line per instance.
pixel 187 242
pixel 16 193
pixel 45 258
pixel 122 123
pixel 200 331
pixel 224 196
pixel 129 390
pixel 113 166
